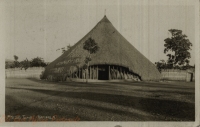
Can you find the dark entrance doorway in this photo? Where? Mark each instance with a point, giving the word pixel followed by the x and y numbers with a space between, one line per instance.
pixel 103 72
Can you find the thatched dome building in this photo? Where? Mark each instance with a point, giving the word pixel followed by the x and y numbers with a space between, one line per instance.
pixel 116 59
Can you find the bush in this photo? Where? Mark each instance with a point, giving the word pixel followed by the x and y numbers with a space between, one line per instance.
pixel 42 75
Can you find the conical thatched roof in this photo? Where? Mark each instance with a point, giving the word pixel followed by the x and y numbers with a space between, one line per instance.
pixel 114 50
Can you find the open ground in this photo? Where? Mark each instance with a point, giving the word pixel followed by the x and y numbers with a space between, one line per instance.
pixel 102 101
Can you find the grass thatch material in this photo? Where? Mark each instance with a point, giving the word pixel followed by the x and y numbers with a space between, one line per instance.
pixel 114 50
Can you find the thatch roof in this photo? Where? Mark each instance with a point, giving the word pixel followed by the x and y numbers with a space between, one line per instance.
pixel 114 50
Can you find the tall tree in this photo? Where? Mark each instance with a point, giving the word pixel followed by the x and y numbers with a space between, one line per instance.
pixel 177 47
pixel 16 57
pixel 16 63
pixel 92 47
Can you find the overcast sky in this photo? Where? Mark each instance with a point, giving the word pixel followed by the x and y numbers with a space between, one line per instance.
pixel 39 27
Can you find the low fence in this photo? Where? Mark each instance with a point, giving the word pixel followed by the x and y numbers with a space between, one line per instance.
pixel 33 72
pixel 178 75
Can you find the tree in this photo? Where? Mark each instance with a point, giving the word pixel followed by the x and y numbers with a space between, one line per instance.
pixel 160 65
pixel 25 64
pixel 16 57
pixel 92 47
pixel 16 63
pixel 179 46
pixel 9 64
pixel 38 62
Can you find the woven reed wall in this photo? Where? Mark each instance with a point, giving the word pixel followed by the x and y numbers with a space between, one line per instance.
pixel 33 72
pixel 176 75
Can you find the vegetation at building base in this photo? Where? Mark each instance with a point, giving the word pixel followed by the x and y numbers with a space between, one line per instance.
pixel 177 47
pixel 35 62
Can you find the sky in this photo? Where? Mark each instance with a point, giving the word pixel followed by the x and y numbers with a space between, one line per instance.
pixel 38 28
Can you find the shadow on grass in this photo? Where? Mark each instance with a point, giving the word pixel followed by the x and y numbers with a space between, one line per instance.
pixel 122 114
pixel 157 85
pixel 76 84
pixel 114 84
pixel 26 110
pixel 174 109
pixel 168 92
pixel 19 109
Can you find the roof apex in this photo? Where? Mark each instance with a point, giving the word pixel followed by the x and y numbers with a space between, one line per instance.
pixel 105 19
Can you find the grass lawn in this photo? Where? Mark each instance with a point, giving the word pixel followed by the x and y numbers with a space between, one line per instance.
pixel 121 101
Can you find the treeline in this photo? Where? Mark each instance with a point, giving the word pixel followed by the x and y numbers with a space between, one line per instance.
pixel 166 65
pixel 35 62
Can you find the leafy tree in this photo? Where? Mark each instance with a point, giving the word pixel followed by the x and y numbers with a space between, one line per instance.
pixel 160 65
pixel 179 46
pixel 25 64
pixel 38 62
pixel 16 57
pixel 92 47
pixel 16 63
